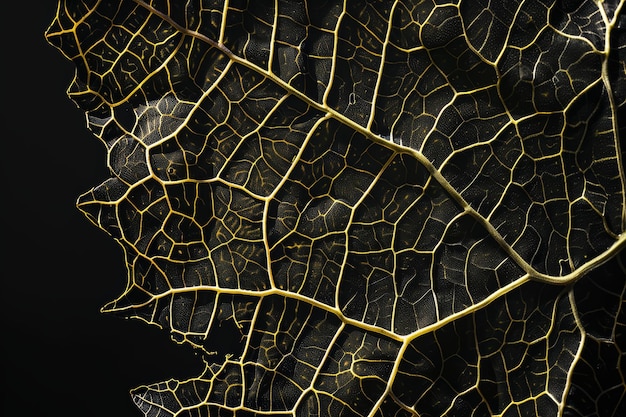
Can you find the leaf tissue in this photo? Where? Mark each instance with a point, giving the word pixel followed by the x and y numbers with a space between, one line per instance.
pixel 365 208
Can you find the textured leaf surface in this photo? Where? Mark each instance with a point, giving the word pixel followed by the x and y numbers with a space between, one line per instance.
pixel 365 208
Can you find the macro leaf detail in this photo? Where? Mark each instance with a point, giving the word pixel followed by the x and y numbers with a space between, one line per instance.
pixel 365 208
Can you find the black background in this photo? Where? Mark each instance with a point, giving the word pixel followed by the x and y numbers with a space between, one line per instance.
pixel 61 356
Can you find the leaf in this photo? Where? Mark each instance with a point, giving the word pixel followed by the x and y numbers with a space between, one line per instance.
pixel 365 208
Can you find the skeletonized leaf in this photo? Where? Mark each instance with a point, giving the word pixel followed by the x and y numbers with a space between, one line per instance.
pixel 365 208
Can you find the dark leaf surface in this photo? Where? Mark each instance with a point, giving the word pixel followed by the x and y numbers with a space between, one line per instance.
pixel 365 208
